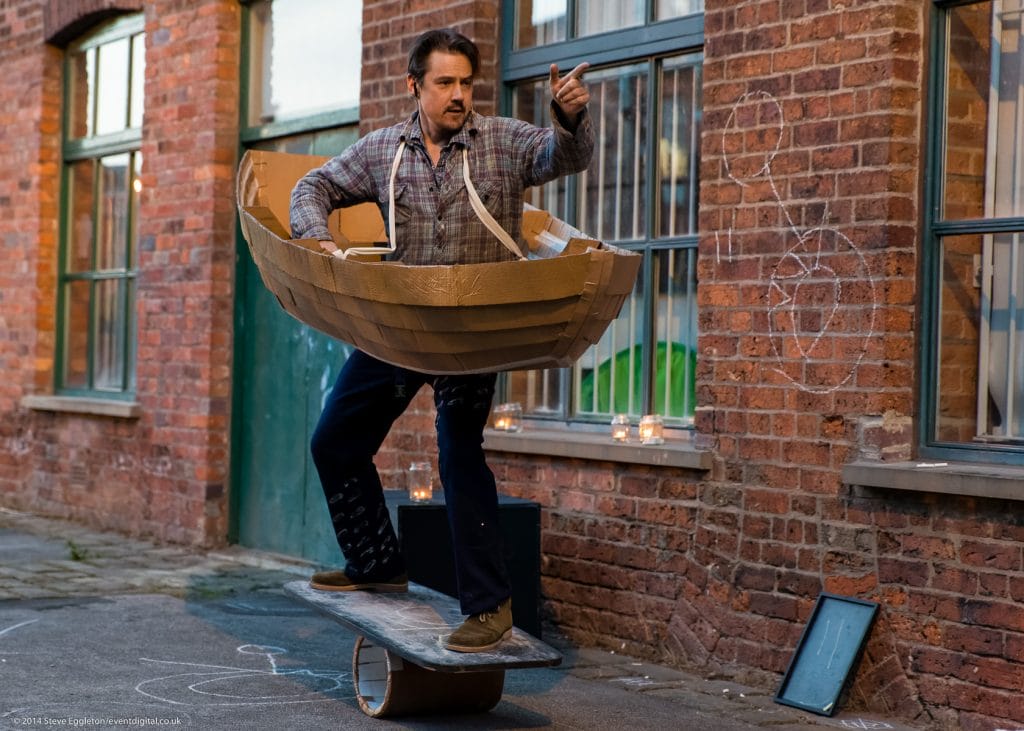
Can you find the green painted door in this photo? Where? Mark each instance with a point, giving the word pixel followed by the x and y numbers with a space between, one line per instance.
pixel 283 372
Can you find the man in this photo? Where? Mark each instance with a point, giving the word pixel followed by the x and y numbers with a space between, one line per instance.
pixel 420 165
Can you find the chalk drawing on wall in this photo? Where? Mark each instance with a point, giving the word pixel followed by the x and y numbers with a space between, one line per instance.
pixel 822 297
pixel 221 685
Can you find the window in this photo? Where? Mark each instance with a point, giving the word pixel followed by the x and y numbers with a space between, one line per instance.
pixel 639 193
pixel 975 259
pixel 103 80
pixel 304 61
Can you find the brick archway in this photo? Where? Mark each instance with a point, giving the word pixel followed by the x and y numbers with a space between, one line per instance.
pixel 64 20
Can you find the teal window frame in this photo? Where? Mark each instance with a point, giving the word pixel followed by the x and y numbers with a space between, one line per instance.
pixel 934 230
pixel 647 44
pixel 95 147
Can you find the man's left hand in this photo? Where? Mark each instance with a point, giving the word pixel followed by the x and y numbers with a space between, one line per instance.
pixel 569 92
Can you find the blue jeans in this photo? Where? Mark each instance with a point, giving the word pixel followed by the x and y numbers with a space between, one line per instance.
pixel 367 398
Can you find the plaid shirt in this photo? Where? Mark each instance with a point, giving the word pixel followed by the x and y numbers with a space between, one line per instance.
pixel 435 223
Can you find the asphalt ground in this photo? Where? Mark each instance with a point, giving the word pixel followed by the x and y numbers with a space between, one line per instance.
pixel 100 631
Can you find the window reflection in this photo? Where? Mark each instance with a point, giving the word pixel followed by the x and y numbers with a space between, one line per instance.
pixel 82 82
pixel 540 22
pixel 80 208
pixel 106 87
pixel 611 207
pixel 138 81
pixel 665 9
pixel 679 145
pixel 305 56
pixel 76 335
pixel 108 335
pixel 979 324
pixel 600 16
pixel 112 87
pixel 984 147
pixel 112 229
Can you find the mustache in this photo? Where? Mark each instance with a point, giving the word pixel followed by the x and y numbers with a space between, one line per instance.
pixel 456 107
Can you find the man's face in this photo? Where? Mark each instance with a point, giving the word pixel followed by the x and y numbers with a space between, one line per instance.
pixel 445 95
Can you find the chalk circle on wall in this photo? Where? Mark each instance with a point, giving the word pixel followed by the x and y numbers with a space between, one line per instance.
pixel 827 654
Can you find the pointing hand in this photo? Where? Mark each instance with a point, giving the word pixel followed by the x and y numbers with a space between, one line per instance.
pixel 569 92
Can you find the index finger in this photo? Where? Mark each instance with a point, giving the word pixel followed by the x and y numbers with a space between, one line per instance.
pixel 576 72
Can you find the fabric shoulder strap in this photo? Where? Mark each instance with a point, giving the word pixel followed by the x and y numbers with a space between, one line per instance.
pixel 391 215
pixel 483 214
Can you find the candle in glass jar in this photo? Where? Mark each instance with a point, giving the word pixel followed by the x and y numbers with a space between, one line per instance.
pixel 508 417
pixel 620 428
pixel 651 430
pixel 420 482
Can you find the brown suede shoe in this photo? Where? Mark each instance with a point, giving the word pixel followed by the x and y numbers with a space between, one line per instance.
pixel 484 631
pixel 339 581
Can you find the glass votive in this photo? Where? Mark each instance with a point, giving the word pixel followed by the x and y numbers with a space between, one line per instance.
pixel 651 430
pixel 419 479
pixel 620 428
pixel 508 417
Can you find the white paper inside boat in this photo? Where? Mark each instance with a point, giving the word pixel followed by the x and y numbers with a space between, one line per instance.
pixel 472 318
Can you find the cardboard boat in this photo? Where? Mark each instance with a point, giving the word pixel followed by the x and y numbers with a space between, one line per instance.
pixel 472 318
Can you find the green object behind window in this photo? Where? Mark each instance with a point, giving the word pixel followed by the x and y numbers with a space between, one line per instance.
pixel 683 363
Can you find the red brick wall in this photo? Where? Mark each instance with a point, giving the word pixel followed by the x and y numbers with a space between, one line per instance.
pixel 186 258
pixel 29 154
pixel 165 473
pixel 809 220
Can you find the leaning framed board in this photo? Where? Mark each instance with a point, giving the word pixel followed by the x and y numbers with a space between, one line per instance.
pixel 827 653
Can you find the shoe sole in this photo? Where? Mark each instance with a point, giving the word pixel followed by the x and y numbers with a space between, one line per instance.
pixel 479 648
pixel 381 588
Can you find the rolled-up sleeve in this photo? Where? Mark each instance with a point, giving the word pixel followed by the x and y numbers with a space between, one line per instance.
pixel 557 151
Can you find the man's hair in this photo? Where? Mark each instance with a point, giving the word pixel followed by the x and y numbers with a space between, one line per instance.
pixel 443 39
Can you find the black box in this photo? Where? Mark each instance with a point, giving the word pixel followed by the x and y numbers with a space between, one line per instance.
pixel 427 544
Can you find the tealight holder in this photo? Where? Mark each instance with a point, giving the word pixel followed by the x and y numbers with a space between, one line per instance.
pixel 620 428
pixel 652 430
pixel 508 417
pixel 419 480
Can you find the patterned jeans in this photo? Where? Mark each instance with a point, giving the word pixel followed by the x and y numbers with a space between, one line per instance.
pixel 367 398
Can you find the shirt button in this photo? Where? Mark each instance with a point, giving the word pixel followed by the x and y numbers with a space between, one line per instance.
pixel 440 217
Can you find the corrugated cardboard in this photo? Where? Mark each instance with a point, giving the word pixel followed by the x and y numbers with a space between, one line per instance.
pixel 473 318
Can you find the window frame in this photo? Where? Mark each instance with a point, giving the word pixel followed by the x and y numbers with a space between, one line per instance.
pixel 934 230
pixel 647 44
pixel 94 148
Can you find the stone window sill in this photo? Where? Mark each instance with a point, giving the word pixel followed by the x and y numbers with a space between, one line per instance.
pixel 82 405
pixel 1002 482
pixel 597 447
